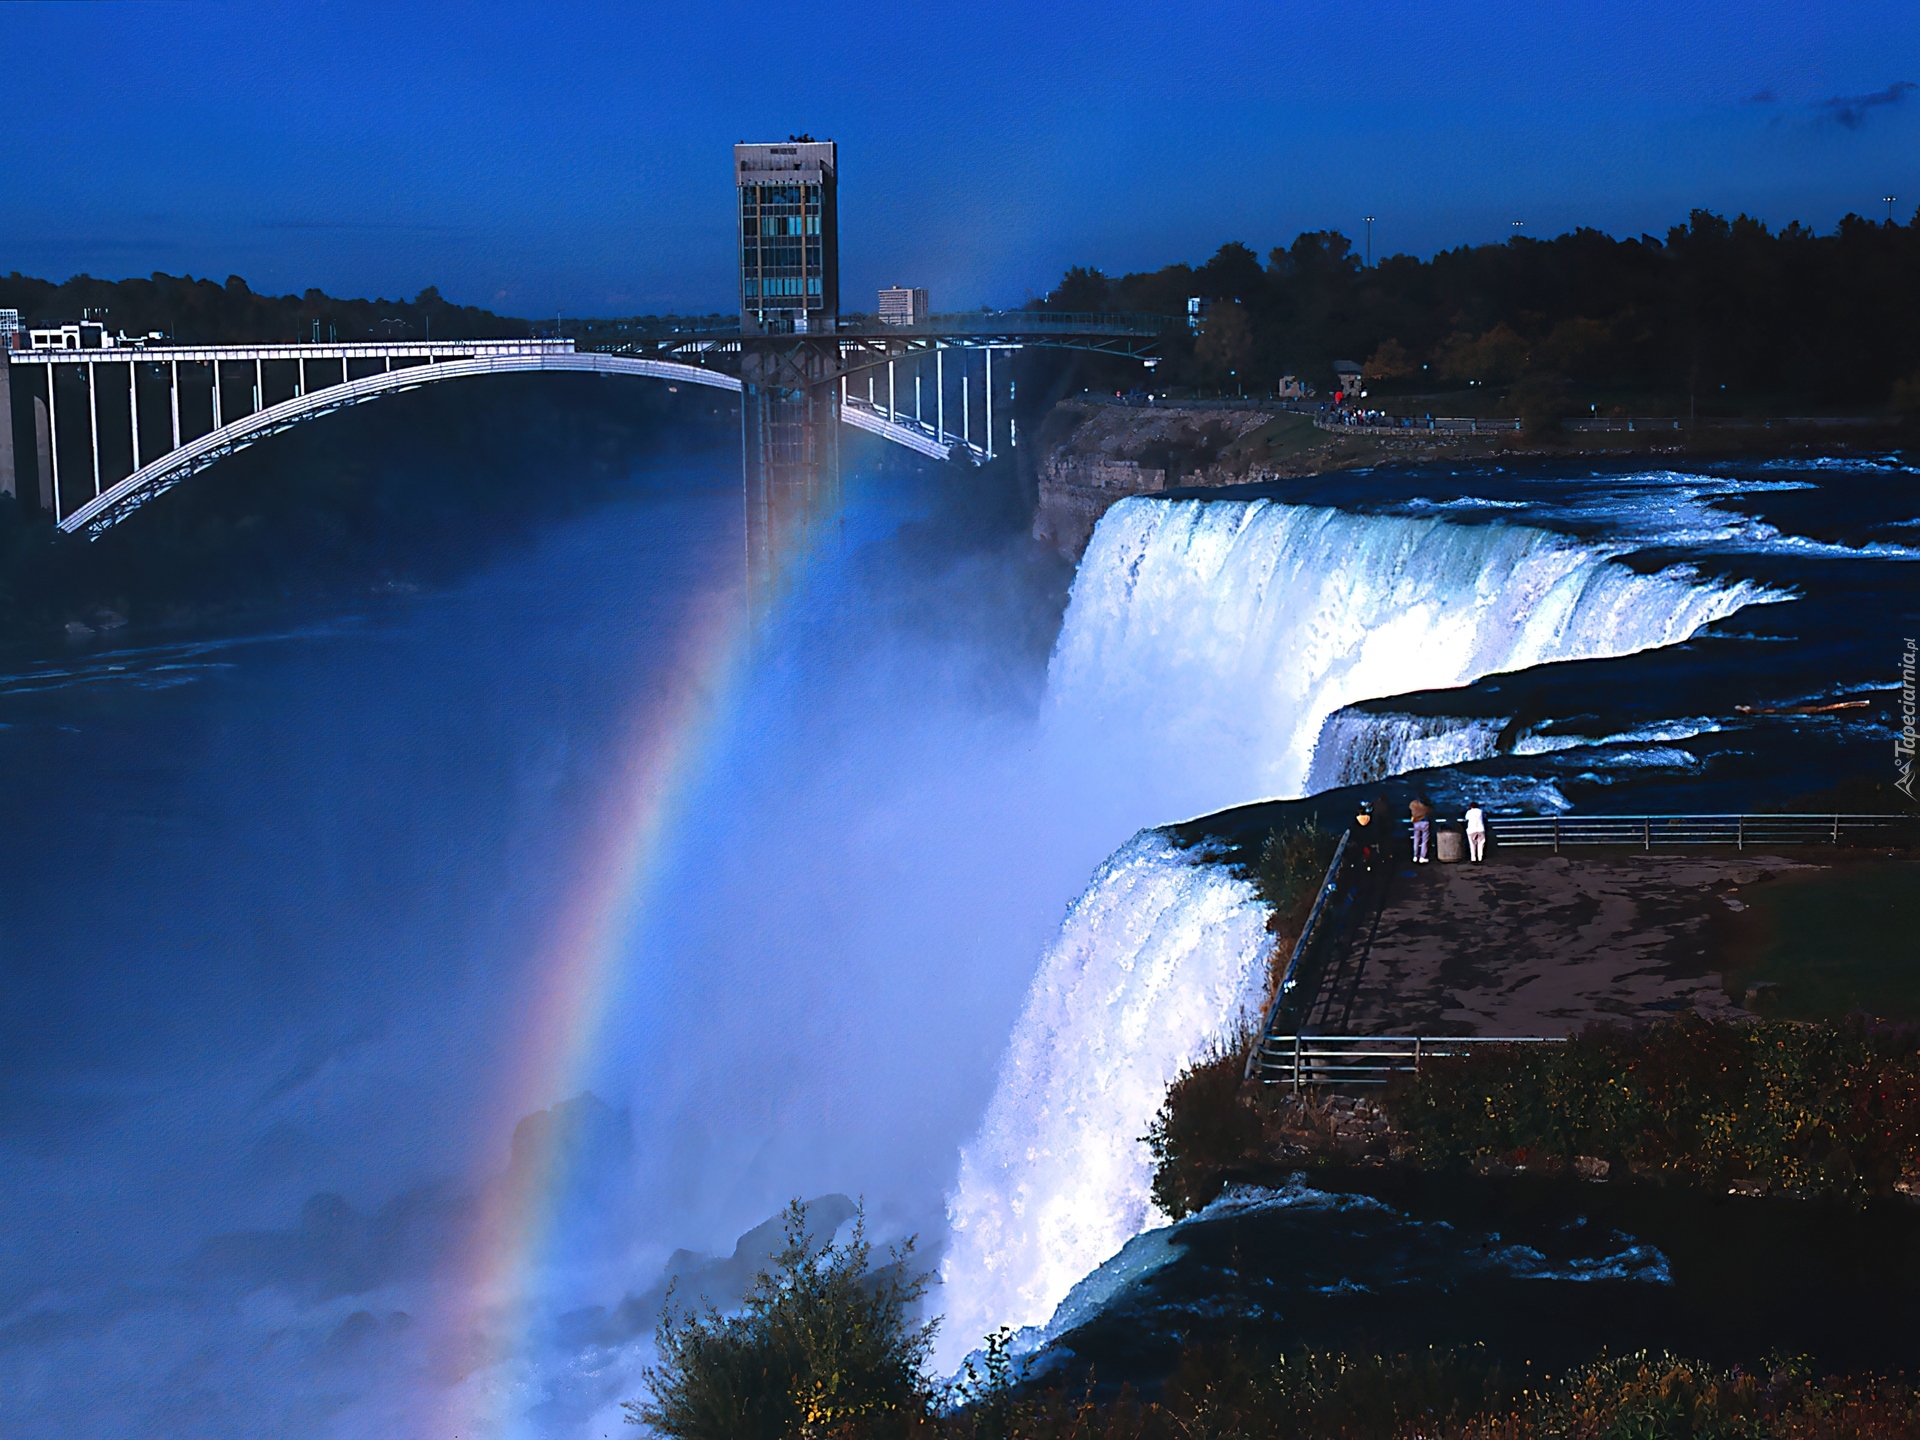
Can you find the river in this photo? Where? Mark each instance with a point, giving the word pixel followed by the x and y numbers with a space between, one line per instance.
pixel 301 923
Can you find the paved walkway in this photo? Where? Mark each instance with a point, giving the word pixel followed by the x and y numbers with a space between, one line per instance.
pixel 1541 945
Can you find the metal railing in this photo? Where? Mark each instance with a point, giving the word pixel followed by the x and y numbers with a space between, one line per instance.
pixel 1288 996
pixel 1298 1061
pixel 1032 322
pixel 1648 832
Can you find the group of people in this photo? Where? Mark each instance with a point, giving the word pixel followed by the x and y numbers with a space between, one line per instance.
pixel 1420 817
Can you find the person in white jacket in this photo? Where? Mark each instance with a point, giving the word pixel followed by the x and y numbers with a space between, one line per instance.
pixel 1476 833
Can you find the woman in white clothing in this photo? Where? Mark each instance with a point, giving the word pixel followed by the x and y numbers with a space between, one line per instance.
pixel 1476 832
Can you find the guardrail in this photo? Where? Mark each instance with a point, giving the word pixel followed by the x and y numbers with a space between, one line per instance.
pixel 1287 996
pixel 1299 1061
pixel 1647 832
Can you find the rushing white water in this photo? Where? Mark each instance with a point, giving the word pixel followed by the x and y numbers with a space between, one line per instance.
pixel 1208 641
pixel 1204 648
pixel 1357 746
pixel 1162 953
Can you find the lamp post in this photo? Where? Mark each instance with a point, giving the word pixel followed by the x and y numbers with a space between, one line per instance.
pixel 1369 242
pixel 1889 199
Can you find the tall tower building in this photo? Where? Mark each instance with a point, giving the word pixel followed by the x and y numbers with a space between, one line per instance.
pixel 789 237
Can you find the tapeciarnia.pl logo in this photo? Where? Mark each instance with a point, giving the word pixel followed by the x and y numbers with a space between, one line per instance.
pixel 1903 743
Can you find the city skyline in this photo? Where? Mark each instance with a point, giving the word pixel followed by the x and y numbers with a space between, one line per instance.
pixel 579 162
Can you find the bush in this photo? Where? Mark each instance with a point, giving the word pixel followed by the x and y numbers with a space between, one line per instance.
pixel 1457 1394
pixel 824 1348
pixel 1831 1109
pixel 1293 861
pixel 1204 1128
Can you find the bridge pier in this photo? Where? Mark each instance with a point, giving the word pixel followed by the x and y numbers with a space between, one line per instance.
pixel 789 456
pixel 9 475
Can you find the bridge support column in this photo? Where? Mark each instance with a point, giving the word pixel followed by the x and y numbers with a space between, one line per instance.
pixel 133 408
pixel 989 402
pixel 940 395
pixel 176 404
pixel 214 366
pixel 9 475
pixel 53 439
pixel 790 457
pixel 42 456
pixel 966 405
pixel 93 420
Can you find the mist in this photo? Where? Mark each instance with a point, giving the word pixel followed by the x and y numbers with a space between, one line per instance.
pixel 284 899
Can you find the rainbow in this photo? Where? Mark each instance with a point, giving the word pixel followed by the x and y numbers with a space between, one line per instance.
pixel 577 974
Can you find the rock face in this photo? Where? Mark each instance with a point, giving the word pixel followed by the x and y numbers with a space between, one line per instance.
pixel 1094 454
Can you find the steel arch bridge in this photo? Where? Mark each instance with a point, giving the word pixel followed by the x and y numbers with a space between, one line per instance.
pixel 93 501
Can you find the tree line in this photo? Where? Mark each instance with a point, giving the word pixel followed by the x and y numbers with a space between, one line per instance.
pixel 204 312
pixel 1729 316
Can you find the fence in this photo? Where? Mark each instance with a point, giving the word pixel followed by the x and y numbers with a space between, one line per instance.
pixel 1298 1061
pixel 1645 832
pixel 1393 424
pixel 1300 965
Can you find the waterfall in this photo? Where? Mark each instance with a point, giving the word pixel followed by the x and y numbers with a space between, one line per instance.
pixel 1161 954
pixel 1357 746
pixel 1205 646
pixel 1207 642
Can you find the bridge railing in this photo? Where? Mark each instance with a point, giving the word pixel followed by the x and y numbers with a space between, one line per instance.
pixel 1034 322
pixel 1649 832
pixel 1299 1061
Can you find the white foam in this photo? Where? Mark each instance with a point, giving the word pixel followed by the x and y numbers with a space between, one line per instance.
pixel 1161 954
pixel 1207 642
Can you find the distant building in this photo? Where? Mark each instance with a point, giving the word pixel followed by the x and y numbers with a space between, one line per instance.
pixel 789 236
pixel 902 306
pixel 83 335
pixel 13 334
pixel 1197 307
pixel 1347 378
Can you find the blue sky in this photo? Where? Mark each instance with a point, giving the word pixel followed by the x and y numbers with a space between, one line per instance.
pixel 574 156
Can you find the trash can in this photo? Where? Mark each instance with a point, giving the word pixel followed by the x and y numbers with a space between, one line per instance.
pixel 1450 846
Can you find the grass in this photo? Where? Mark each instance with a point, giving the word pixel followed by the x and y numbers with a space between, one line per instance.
pixel 1830 944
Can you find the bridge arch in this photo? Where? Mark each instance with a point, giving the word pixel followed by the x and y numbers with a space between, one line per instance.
pixel 160 475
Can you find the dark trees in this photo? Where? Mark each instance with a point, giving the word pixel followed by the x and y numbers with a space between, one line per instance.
pixel 1726 313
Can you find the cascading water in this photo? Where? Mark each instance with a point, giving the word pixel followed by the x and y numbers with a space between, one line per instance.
pixel 1205 645
pixel 1208 641
pixel 1357 746
pixel 1162 953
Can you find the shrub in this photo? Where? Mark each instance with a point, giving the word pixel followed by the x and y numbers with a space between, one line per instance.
pixel 1204 1128
pixel 1808 1108
pixel 1293 861
pixel 824 1347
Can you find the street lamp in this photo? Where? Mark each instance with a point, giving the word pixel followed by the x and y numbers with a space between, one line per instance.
pixel 1889 199
pixel 1369 242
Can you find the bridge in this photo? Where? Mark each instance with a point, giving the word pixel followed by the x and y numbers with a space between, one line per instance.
pixel 111 427
pixel 135 423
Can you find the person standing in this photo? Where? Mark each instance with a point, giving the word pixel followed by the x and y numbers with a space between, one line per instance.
pixel 1421 814
pixel 1476 833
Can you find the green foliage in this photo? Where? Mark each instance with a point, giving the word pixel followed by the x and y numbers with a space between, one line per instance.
pixel 1810 1109
pixel 824 1344
pixel 1204 1128
pixel 1293 862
